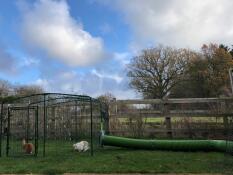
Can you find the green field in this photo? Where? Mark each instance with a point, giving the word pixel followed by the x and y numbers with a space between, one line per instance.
pixel 61 158
pixel 174 119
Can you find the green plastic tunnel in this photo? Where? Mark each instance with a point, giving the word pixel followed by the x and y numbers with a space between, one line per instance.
pixel 172 145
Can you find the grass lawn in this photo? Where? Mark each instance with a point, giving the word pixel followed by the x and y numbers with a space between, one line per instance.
pixel 118 160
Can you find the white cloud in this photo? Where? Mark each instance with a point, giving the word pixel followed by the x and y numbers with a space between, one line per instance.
pixel 122 57
pixel 115 77
pixel 43 83
pixel 49 26
pixel 180 23
pixel 93 83
pixel 29 61
pixel 68 75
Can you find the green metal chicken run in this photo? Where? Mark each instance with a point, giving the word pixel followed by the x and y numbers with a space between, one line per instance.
pixel 48 118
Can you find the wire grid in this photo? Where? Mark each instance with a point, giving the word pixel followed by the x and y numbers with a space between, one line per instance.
pixel 23 122
pixel 3 129
pixel 63 120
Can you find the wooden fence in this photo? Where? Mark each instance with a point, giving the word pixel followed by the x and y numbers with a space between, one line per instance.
pixel 178 118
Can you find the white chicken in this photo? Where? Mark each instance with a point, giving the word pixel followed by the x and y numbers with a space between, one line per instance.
pixel 81 146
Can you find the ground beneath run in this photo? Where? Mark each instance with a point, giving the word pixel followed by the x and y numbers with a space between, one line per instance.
pixel 63 159
pixel 141 174
pixel 121 174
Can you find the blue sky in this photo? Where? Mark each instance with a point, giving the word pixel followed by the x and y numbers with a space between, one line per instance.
pixel 84 46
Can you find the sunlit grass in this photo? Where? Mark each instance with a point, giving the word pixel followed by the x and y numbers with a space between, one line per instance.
pixel 61 158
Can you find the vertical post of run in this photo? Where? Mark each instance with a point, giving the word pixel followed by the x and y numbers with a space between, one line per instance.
pixel 91 126
pixel 76 120
pixel 36 131
pixel 8 132
pixel 101 123
pixel 44 140
pixel 1 129
pixel 28 125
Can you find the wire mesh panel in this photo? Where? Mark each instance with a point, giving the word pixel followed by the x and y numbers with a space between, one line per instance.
pixel 22 131
pixel 3 131
pixel 60 127
pixel 50 122
pixel 69 120
pixel 97 111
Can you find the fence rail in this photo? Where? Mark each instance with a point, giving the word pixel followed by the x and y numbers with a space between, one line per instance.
pixel 172 100
pixel 192 116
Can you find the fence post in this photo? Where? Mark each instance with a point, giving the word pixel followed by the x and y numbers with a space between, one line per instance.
pixel 223 111
pixel 45 124
pixel 167 116
pixel 107 114
pixel 8 132
pixel 111 111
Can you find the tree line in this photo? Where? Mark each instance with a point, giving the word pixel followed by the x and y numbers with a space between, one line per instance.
pixel 8 89
pixel 165 71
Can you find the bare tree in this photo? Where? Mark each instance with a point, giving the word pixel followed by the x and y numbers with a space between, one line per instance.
pixel 106 98
pixel 157 70
pixel 5 88
pixel 28 90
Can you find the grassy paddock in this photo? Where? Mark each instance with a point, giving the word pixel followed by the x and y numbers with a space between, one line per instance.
pixel 117 160
pixel 174 119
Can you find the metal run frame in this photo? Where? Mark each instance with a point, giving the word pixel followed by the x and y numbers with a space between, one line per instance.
pixel 10 109
pixel 43 100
